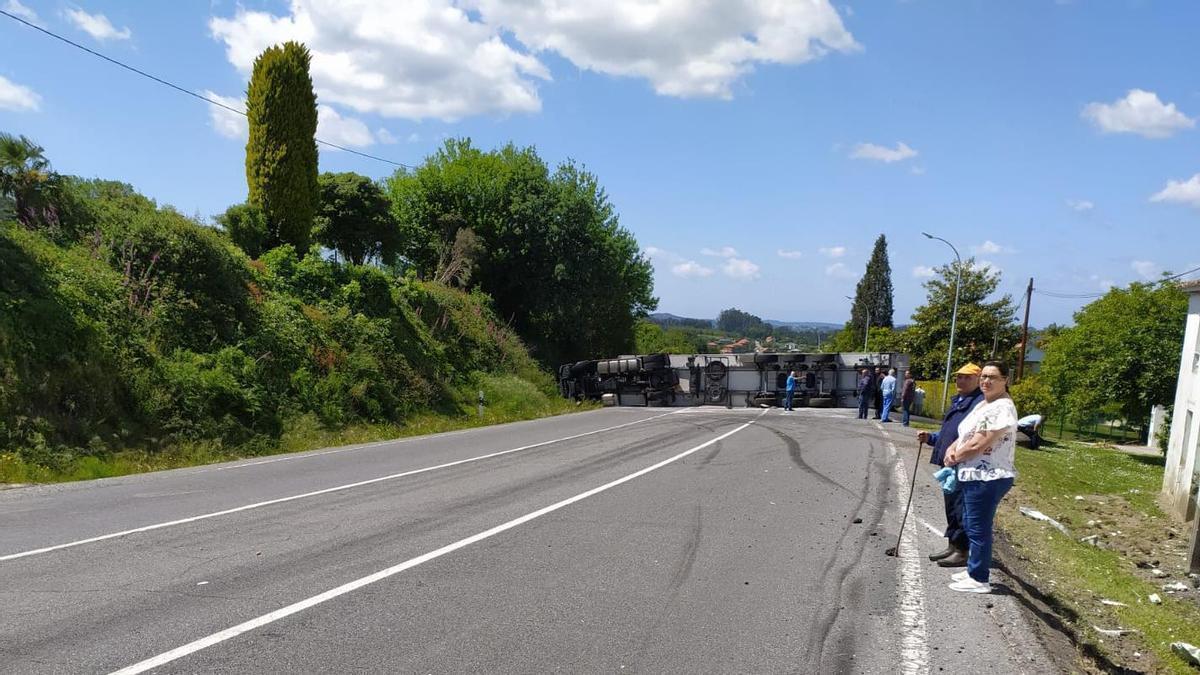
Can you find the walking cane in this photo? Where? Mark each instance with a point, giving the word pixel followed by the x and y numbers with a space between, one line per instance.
pixel 912 484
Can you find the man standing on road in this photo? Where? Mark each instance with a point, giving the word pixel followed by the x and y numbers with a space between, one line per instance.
pixel 908 394
pixel 879 373
pixel 888 389
pixel 966 384
pixel 866 392
pixel 791 390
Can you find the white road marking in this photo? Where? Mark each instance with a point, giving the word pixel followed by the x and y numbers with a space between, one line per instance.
pixel 914 644
pixel 936 531
pixel 216 638
pixel 281 500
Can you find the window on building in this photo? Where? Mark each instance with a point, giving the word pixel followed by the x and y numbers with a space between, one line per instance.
pixel 1187 433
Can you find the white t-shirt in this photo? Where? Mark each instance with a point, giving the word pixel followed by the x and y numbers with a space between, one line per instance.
pixel 997 461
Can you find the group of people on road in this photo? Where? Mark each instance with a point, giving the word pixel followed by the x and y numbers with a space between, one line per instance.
pixel 879 386
pixel 977 441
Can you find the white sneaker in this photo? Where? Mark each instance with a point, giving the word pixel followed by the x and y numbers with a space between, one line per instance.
pixel 970 586
pixel 960 576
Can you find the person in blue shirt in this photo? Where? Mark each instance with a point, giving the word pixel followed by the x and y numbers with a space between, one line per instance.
pixel 966 384
pixel 791 390
pixel 888 389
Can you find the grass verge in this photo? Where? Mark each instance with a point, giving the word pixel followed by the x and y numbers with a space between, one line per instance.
pixel 1097 492
pixel 509 399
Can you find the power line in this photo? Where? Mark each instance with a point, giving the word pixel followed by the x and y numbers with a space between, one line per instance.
pixel 183 90
pixel 1085 296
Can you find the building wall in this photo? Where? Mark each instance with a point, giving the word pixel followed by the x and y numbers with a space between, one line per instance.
pixel 1179 479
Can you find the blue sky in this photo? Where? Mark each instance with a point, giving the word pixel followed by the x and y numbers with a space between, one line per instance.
pixel 756 152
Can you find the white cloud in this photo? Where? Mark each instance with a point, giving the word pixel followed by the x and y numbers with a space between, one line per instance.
pixel 16 8
pixel 96 25
pixel 989 266
pixel 1146 269
pixel 1080 204
pixel 384 136
pixel 882 153
pixel 332 127
pixel 833 251
pixel 414 137
pixel 1140 112
pixel 1180 192
pixel 723 252
pixel 838 271
pixel 791 255
pixel 990 247
pixel 662 254
pixel 691 270
pixel 740 269
pixel 1101 283
pixel 923 272
pixel 225 122
pixel 686 49
pixel 17 97
pixel 917 170
pixel 416 59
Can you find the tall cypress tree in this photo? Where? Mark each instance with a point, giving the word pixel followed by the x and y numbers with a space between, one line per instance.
pixel 281 153
pixel 874 292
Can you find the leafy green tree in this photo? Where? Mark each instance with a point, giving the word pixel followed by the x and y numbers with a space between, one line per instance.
pixel 873 295
pixel 1122 351
pixel 985 330
pixel 27 183
pixel 879 339
pixel 734 320
pixel 354 218
pixel 246 226
pixel 550 250
pixel 281 152
pixel 652 339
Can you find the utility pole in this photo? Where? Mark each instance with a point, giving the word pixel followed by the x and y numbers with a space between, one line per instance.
pixel 1024 333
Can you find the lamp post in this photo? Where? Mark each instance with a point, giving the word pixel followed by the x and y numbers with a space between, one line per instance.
pixel 953 315
pixel 867 329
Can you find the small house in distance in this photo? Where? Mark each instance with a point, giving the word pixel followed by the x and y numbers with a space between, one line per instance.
pixel 1180 482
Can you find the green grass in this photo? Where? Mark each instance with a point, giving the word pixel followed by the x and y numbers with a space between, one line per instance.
pixel 508 399
pixel 1119 491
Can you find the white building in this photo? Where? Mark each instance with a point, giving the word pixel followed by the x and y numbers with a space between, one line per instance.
pixel 1180 479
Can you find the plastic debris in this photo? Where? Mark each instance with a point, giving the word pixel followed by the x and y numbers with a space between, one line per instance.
pixel 1113 632
pixel 1190 652
pixel 1078 498
pixel 1154 599
pixel 1113 603
pixel 1159 573
pixel 1093 539
pixel 1175 587
pixel 1038 515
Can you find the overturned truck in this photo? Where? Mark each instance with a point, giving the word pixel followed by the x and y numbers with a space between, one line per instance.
pixel 729 380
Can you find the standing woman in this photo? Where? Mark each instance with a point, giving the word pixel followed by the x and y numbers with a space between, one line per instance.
pixel 983 456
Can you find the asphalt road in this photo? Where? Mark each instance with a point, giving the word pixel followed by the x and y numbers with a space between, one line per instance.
pixel 620 540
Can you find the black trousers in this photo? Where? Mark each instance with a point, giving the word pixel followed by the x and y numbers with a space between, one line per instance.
pixel 955 532
pixel 863 403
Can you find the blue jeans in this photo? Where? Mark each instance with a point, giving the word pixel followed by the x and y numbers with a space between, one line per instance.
pixel 980 499
pixel 888 399
pixel 787 399
pixel 864 403
pixel 907 410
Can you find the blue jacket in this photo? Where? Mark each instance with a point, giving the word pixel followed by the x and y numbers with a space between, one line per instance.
pixel 960 407
pixel 791 383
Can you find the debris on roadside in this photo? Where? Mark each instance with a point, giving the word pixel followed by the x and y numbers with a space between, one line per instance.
pixel 1175 587
pixel 1113 632
pixel 1154 599
pixel 1093 539
pixel 1190 652
pixel 1038 515
pixel 1159 573
pixel 1113 603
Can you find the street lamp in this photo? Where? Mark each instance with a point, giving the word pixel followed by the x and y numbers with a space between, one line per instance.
pixel 953 315
pixel 867 329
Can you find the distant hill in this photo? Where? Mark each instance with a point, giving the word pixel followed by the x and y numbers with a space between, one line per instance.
pixel 667 319
pixel 804 325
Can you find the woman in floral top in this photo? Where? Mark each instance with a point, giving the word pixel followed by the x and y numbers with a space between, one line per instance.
pixel 983 456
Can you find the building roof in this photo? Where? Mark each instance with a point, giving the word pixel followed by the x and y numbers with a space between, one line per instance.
pixel 1192 286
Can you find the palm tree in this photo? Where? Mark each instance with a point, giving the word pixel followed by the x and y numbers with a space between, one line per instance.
pixel 26 181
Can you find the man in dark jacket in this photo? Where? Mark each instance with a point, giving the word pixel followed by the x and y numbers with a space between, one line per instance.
pixel 966 384
pixel 866 392
pixel 908 394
